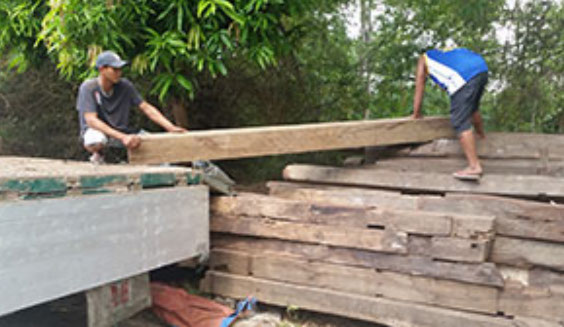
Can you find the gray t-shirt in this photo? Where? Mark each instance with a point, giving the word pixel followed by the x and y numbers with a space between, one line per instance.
pixel 113 109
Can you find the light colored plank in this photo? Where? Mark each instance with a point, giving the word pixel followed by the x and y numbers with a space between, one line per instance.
pixel 413 222
pixel 342 195
pixel 481 274
pixel 490 166
pixel 84 242
pixel 502 146
pixel 489 184
pixel 261 141
pixel 375 240
pixel 379 310
pixel 527 253
pixel 361 281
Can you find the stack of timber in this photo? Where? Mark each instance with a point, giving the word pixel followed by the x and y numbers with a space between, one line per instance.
pixel 405 245
pixel 67 227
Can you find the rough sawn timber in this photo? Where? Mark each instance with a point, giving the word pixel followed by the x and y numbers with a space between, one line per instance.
pixel 380 310
pixel 531 186
pixel 273 140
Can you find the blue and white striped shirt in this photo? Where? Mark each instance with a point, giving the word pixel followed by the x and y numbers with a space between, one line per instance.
pixel 452 69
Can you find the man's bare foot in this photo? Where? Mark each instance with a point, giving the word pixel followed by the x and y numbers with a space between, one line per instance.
pixel 471 174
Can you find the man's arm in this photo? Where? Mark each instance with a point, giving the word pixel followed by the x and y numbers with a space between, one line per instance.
pixel 155 115
pixel 129 141
pixel 420 77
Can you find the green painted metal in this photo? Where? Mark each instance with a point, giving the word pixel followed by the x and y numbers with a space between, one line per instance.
pixel 90 182
pixel 36 186
pixel 157 180
pixel 193 178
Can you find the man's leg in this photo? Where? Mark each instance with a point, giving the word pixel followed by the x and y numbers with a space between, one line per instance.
pixel 478 124
pixel 94 142
pixel 468 143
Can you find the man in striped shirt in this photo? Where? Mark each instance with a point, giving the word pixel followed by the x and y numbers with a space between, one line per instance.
pixel 463 74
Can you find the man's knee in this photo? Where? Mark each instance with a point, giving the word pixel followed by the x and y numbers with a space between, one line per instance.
pixel 93 140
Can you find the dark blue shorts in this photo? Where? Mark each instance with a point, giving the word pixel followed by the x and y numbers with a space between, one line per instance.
pixel 466 101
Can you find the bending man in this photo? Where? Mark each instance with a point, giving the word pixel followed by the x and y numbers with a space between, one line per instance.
pixel 464 75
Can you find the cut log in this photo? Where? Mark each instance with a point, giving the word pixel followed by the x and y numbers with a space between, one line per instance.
pixel 375 240
pixel 273 140
pixel 361 281
pixel 379 310
pixel 481 274
pixel 527 253
pixel 501 146
pixel 531 186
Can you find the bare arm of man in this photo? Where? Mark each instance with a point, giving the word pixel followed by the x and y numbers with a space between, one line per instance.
pixel 420 77
pixel 155 115
pixel 130 141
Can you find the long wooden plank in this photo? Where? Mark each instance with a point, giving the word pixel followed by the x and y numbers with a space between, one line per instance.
pixel 413 222
pixel 356 280
pixel 545 302
pixel 502 146
pixel 489 184
pixel 375 240
pixel 520 218
pixel 480 273
pixel 527 253
pixel 490 166
pixel 52 248
pixel 273 140
pixel 379 310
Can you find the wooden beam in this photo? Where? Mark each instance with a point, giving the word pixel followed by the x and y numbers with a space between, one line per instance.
pixel 527 253
pixel 490 166
pixel 531 186
pixel 379 310
pixel 500 146
pixel 357 280
pixel 273 140
pixel 480 273
pixel 375 240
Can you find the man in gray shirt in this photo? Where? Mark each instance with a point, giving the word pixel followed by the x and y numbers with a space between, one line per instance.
pixel 103 105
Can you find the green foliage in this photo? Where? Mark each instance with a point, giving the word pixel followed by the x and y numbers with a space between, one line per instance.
pixel 168 40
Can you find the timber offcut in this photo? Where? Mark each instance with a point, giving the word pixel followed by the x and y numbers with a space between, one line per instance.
pixel 400 242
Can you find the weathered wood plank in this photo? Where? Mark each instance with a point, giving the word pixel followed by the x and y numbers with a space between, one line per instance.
pixel 490 166
pixel 521 218
pixel 489 184
pixel 346 196
pixel 261 141
pixel 361 281
pixel 481 274
pixel 85 242
pixel 413 222
pixel 527 253
pixel 375 240
pixel 545 302
pixel 380 310
pixel 450 248
pixel 502 146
